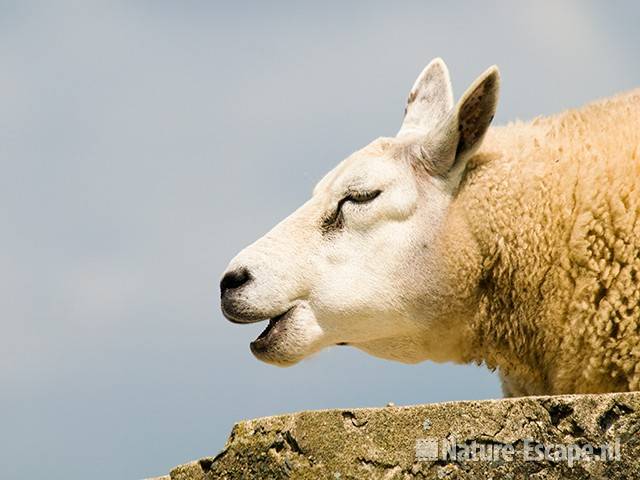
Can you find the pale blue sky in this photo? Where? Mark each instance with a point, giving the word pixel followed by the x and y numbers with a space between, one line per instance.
pixel 142 144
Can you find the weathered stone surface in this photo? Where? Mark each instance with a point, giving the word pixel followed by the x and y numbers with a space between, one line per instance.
pixel 383 443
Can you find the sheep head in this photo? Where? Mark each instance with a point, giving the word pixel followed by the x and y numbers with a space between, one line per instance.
pixel 358 263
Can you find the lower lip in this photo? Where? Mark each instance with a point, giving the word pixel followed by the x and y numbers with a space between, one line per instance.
pixel 266 336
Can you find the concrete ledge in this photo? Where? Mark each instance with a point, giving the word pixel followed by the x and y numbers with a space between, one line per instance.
pixel 473 440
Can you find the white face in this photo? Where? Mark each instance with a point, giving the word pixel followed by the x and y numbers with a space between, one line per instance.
pixel 350 266
pixel 358 263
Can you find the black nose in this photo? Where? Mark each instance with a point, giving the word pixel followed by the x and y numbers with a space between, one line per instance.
pixel 234 279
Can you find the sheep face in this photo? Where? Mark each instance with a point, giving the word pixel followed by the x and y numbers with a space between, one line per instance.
pixel 357 263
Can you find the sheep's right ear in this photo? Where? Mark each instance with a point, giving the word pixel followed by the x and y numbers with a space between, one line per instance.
pixel 476 109
pixel 459 136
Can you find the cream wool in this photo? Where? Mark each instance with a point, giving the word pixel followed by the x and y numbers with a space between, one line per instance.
pixel 553 242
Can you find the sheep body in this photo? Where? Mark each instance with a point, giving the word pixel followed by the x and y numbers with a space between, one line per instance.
pixel 552 251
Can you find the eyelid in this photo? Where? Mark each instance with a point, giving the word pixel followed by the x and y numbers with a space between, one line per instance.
pixel 334 218
pixel 356 196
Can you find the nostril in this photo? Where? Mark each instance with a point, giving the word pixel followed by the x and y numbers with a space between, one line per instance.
pixel 234 279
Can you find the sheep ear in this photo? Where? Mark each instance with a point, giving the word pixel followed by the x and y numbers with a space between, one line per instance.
pixel 430 99
pixel 475 111
pixel 454 140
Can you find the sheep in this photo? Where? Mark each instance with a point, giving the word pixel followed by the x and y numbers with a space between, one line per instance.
pixel 517 246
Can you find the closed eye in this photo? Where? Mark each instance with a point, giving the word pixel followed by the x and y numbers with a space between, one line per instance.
pixel 334 220
pixel 360 197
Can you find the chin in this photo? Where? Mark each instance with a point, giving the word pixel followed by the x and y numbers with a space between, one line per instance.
pixel 289 338
pixel 275 357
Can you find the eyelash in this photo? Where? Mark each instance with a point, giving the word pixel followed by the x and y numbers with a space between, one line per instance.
pixel 335 219
pixel 360 197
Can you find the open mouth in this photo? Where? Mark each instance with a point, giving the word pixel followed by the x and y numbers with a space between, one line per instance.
pixel 268 334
